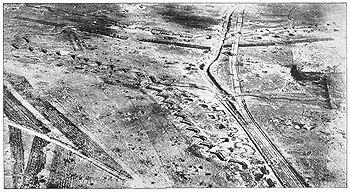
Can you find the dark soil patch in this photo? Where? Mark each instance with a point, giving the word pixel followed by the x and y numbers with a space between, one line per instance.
pixel 185 15
pixel 317 79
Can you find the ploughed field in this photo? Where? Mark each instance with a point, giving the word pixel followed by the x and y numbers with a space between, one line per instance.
pixel 174 95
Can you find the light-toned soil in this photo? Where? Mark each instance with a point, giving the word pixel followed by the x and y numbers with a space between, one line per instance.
pixel 147 108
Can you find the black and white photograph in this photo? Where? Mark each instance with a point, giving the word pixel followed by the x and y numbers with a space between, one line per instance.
pixel 169 95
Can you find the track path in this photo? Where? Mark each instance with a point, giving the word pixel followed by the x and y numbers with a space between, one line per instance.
pixel 237 107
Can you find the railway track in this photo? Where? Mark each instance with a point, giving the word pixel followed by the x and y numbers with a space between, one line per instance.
pixel 237 107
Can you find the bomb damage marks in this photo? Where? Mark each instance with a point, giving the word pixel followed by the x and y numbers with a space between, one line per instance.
pixel 174 95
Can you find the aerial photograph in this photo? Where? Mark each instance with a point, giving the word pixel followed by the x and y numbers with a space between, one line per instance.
pixel 174 95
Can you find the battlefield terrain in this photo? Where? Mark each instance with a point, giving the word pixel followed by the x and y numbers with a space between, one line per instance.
pixel 174 95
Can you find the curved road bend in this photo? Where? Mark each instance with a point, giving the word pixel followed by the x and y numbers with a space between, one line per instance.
pixel 285 173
